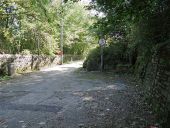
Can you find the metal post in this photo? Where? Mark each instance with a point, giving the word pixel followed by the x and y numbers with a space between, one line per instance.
pixel 101 55
pixel 102 43
pixel 38 44
pixel 62 33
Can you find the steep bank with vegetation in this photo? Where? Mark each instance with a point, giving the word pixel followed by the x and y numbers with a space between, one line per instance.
pixel 137 35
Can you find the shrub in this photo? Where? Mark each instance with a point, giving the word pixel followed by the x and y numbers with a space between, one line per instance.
pixel 113 55
pixel 93 60
pixel 26 52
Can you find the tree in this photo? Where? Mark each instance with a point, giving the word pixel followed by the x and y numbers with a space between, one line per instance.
pixel 77 35
pixel 35 25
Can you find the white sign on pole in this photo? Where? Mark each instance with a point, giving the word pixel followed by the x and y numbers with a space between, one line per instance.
pixel 102 42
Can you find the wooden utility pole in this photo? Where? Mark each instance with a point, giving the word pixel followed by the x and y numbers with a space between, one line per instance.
pixel 62 32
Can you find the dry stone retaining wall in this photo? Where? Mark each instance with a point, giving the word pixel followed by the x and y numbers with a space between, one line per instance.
pixel 157 85
pixel 26 62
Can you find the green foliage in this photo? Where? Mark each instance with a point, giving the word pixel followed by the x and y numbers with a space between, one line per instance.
pixel 25 52
pixel 114 56
pixel 77 36
pixel 143 24
pixel 2 78
pixel 92 61
pixel 35 25
pixel 77 48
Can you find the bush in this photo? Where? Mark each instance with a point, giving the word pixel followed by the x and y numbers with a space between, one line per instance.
pixel 77 48
pixel 26 52
pixel 114 55
pixel 92 62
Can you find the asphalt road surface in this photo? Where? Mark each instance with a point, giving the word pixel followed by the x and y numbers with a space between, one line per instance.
pixel 66 97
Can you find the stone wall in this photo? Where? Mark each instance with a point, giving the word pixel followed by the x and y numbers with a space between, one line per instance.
pixel 26 62
pixel 157 85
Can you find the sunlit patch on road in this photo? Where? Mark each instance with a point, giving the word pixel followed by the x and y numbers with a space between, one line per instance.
pixel 65 67
pixel 88 98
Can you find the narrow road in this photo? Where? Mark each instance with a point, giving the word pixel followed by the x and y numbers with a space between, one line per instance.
pixel 66 97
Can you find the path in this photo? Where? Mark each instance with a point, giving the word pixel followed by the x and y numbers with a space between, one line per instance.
pixel 63 97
